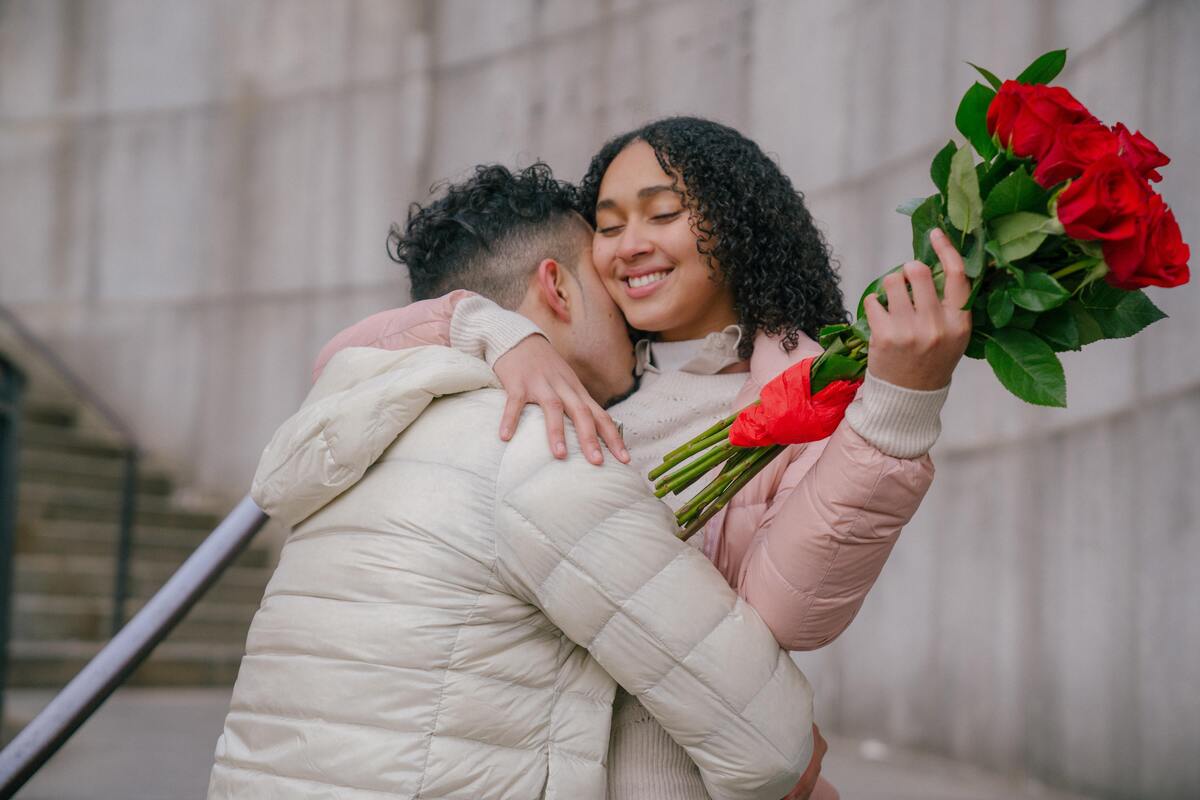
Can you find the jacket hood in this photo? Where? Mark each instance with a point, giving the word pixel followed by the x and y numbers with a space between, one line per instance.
pixel 363 400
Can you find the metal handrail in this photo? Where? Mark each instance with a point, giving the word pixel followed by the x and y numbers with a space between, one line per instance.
pixel 129 444
pixel 12 383
pixel 71 707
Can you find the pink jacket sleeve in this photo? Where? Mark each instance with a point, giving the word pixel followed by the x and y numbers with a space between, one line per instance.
pixel 805 541
pixel 421 323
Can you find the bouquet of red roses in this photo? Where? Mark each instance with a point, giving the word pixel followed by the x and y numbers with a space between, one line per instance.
pixel 1059 229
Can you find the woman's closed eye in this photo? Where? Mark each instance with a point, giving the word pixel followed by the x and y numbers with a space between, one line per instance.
pixel 664 217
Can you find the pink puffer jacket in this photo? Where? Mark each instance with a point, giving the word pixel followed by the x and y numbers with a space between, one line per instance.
pixel 804 541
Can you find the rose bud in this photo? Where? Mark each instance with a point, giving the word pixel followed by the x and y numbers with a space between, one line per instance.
pixel 1025 117
pixel 1140 153
pixel 1155 256
pixel 1075 148
pixel 1105 202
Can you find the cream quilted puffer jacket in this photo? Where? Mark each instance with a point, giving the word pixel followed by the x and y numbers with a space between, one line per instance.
pixel 451 613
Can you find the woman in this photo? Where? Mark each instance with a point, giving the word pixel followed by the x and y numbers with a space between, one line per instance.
pixel 706 247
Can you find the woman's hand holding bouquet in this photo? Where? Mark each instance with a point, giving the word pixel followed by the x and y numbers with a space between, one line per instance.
pixel 918 339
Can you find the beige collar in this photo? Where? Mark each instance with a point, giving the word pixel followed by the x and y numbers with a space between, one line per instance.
pixel 706 356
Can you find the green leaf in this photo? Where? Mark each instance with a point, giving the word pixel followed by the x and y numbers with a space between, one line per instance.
pixel 1023 319
pixel 1059 329
pixel 1089 329
pixel 992 248
pixel 973 258
pixel 1044 68
pixel 1119 313
pixel 833 368
pixel 974 296
pixel 909 206
pixel 874 287
pixel 927 217
pixel 988 76
pixel 1018 192
pixel 1000 308
pixel 976 345
pixel 1027 367
pixel 971 119
pixel 964 205
pixel 829 333
pixel 861 329
pixel 999 169
pixel 939 170
pixel 1021 233
pixel 1041 292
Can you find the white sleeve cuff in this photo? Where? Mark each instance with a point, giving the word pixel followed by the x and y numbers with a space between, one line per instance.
pixel 902 423
pixel 482 329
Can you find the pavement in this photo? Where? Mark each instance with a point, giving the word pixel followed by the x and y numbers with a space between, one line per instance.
pixel 157 744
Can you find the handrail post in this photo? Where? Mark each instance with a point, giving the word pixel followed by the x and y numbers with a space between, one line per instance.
pixel 12 383
pixel 125 539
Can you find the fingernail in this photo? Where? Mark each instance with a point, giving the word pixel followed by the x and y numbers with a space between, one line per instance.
pixel 560 449
pixel 936 233
pixel 597 457
pixel 505 433
pixel 624 454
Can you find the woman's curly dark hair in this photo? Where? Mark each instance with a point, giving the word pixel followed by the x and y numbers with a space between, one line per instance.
pixel 752 226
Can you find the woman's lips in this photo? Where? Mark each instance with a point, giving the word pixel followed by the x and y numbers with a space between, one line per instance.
pixel 638 292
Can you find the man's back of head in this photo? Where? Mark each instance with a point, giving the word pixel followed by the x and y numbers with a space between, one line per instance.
pixel 487 234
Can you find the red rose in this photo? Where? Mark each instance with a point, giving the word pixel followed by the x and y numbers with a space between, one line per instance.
pixel 1155 256
pixel 1074 149
pixel 789 413
pixel 1140 153
pixel 1105 202
pixel 1025 117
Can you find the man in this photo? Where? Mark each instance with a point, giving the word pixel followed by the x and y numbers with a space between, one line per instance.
pixel 452 612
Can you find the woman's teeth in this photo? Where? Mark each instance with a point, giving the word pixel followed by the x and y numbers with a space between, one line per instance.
pixel 646 280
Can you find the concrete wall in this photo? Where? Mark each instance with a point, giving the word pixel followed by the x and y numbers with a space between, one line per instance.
pixel 194 196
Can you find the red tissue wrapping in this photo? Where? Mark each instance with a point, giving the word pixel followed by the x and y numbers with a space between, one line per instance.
pixel 789 413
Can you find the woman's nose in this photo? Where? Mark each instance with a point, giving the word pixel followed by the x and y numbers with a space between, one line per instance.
pixel 632 242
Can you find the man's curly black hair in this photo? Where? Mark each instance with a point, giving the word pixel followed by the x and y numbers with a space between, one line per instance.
pixel 752 225
pixel 489 233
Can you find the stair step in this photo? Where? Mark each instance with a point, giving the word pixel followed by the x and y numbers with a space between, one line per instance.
pixel 93 576
pixel 70 470
pixel 43 436
pixel 50 412
pixel 98 505
pixel 39 617
pixel 52 664
pixel 169 545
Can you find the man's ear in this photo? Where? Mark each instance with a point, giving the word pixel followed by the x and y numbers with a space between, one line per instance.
pixel 551 283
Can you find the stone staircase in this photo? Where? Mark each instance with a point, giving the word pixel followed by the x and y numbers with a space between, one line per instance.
pixel 69 499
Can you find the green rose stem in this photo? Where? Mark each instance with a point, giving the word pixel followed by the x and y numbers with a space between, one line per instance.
pixel 1078 266
pixel 694 471
pixel 748 468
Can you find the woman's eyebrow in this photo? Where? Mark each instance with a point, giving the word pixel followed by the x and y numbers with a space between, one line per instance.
pixel 653 190
pixel 642 194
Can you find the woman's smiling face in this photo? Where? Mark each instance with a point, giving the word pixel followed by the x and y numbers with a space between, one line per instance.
pixel 645 252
